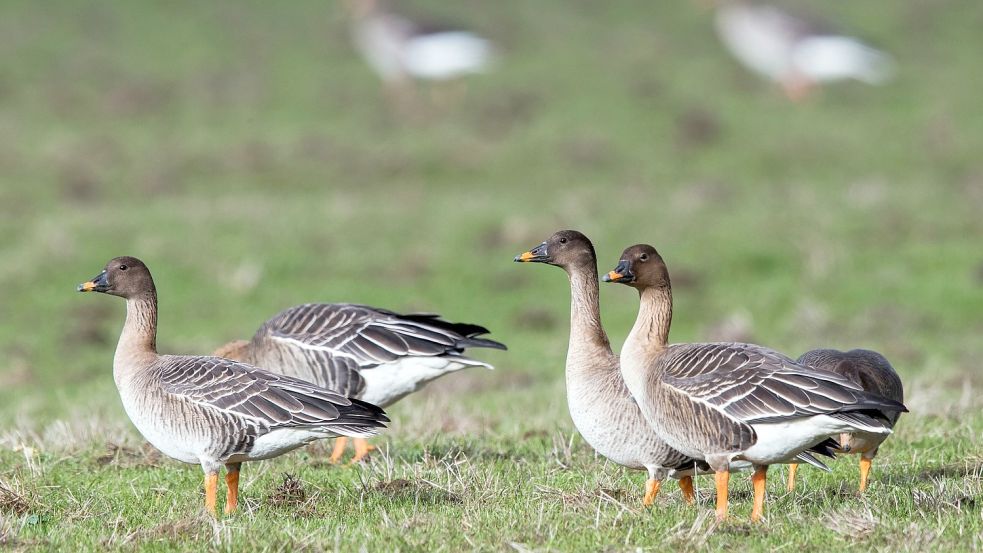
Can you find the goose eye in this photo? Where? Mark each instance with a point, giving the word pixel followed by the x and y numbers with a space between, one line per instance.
pixel 563 240
pixel 122 267
pixel 643 257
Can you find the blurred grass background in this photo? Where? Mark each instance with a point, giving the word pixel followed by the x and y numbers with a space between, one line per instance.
pixel 246 154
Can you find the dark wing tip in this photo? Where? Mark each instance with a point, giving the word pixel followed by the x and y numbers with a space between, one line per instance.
pixel 481 343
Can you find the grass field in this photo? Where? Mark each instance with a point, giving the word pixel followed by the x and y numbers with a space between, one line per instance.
pixel 243 151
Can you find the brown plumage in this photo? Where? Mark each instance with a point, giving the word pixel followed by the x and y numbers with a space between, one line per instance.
pixel 600 405
pixel 213 411
pixel 728 401
pixel 368 353
pixel 871 371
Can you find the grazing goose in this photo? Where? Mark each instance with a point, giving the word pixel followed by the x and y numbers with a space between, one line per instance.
pixel 400 50
pixel 794 51
pixel 727 401
pixel 372 354
pixel 874 374
pixel 212 411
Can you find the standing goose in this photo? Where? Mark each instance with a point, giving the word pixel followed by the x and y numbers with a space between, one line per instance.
pixel 874 374
pixel 726 401
pixel 600 405
pixel 795 51
pixel 212 411
pixel 372 354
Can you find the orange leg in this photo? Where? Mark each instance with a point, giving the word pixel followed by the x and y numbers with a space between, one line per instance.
pixel 792 469
pixel 722 478
pixel 232 483
pixel 362 448
pixel 686 484
pixel 652 487
pixel 211 491
pixel 758 479
pixel 864 471
pixel 339 449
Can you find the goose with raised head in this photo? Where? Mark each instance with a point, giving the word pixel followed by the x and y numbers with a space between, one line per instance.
pixel 722 402
pixel 796 51
pixel 212 411
pixel 874 373
pixel 368 353
pixel 600 405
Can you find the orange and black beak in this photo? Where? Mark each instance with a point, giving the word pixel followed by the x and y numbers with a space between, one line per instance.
pixel 622 273
pixel 535 255
pixel 97 284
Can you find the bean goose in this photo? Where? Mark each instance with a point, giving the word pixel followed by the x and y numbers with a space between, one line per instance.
pixel 212 411
pixel 874 374
pixel 372 354
pixel 600 405
pixel 795 51
pixel 722 402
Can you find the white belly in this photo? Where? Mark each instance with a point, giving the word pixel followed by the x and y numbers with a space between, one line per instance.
pixel 780 442
pixel 386 384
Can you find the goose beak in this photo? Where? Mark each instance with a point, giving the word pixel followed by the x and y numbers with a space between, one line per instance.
pixel 97 284
pixel 622 273
pixel 535 255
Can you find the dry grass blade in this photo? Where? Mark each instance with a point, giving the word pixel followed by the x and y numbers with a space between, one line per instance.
pixel 851 522
pixel 290 493
pixel 12 501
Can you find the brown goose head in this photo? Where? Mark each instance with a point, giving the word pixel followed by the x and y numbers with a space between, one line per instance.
pixel 640 267
pixel 567 249
pixel 126 277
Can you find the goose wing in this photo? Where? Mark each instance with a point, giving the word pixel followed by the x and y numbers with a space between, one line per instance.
pixel 369 336
pixel 757 385
pixel 277 401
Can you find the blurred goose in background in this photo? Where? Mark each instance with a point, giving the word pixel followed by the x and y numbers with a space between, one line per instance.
pixel 600 404
pixel 368 353
pixel 212 411
pixel 796 52
pixel 721 402
pixel 874 374
pixel 401 50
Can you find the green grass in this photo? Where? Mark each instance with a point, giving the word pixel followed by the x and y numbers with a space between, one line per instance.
pixel 244 152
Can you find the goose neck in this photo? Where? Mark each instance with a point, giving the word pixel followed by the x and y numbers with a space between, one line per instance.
pixel 138 340
pixel 649 337
pixel 588 341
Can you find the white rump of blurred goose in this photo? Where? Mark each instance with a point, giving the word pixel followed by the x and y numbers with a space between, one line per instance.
pixel 874 374
pixel 400 49
pixel 722 402
pixel 363 352
pixel 795 51
pixel 600 405
pixel 213 411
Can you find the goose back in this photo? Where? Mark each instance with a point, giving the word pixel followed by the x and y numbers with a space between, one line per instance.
pixel 363 351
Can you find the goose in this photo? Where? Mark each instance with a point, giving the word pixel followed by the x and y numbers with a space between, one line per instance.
pixel 874 373
pixel 401 50
pixel 721 402
pixel 795 51
pixel 600 405
pixel 212 411
pixel 372 354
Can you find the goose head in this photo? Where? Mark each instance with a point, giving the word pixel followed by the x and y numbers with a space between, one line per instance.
pixel 126 277
pixel 565 248
pixel 640 266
